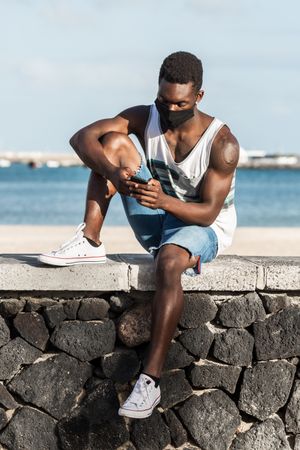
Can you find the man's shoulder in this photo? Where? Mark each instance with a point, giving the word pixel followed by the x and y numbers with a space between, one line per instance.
pixel 225 150
pixel 137 117
pixel 136 112
pixel 137 109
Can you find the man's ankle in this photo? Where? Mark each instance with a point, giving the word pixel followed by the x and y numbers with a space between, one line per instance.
pixel 155 379
pixel 93 242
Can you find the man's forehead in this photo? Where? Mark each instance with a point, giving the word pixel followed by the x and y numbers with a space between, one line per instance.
pixel 176 90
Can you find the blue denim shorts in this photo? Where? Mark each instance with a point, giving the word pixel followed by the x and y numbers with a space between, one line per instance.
pixel 154 228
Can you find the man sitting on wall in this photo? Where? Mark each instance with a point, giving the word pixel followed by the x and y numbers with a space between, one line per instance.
pixel 178 197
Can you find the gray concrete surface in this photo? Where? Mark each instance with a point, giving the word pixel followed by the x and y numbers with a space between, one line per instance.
pixel 23 272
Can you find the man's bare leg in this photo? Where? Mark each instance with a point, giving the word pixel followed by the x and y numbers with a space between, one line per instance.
pixel 99 194
pixel 167 303
pixel 119 160
pixel 167 307
pixel 121 152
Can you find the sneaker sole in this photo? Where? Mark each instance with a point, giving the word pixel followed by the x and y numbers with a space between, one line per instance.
pixel 56 261
pixel 138 414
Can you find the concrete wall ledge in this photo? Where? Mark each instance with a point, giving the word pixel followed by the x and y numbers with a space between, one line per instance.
pixel 124 272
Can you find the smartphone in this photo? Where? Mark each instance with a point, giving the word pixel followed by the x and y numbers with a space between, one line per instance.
pixel 137 179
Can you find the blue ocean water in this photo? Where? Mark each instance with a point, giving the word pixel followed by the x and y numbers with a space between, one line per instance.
pixel 56 196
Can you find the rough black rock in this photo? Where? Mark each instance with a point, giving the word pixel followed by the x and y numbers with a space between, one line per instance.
pixel 278 336
pixel 197 340
pixel 4 332
pixel 241 311
pixel 177 357
pixel 292 414
pixel 234 346
pixel 190 447
pixel 36 304
pixel 174 388
pixel 198 309
pixel 92 382
pixel 93 309
pixel 52 384
pixel 267 435
pixel 3 418
pixel 95 423
pixel 6 399
pixel 54 315
pixel 71 307
pixel 275 302
pixel 11 306
pixel 151 433
pixel 211 418
pixel 14 354
pixel 266 387
pixel 121 365
pixel 40 431
pixel 134 325
pixel 210 374
pixel 120 302
pixel 85 340
pixel 98 372
pixel 32 328
pixel 176 429
pixel 127 446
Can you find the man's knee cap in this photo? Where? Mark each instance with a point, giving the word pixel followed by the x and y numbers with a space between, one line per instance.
pixel 115 140
pixel 166 265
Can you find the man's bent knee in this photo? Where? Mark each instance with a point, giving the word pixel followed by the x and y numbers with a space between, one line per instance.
pixel 120 149
pixel 114 140
pixel 171 260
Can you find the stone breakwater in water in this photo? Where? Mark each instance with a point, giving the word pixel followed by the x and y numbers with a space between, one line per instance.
pixel 231 379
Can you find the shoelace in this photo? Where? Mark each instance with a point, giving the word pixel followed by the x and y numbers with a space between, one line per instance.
pixel 139 390
pixel 78 233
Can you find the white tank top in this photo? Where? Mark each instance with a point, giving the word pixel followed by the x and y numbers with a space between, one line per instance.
pixel 182 180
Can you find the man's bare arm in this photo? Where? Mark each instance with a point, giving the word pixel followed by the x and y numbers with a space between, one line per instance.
pixel 215 186
pixel 87 141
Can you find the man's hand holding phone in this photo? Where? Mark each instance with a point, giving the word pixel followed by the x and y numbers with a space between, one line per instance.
pixel 139 180
pixel 148 193
pixel 119 178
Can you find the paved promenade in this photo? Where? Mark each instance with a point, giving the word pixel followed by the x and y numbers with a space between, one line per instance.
pixel 247 241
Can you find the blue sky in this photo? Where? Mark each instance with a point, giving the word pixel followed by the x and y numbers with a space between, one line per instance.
pixel 66 63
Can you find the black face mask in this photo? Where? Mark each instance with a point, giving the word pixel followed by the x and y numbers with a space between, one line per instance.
pixel 173 119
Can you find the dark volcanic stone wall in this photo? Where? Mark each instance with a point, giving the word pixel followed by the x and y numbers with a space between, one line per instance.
pixel 231 379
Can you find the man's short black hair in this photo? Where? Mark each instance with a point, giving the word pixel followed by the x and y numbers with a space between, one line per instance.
pixel 182 67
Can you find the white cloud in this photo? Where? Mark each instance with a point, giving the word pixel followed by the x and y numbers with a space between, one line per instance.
pixel 213 6
pixel 282 110
pixel 79 12
pixel 64 12
pixel 46 73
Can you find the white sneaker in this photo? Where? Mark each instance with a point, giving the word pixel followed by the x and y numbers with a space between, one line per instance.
pixel 77 250
pixel 142 400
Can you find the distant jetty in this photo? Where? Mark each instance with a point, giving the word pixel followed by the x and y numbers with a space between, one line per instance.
pixel 259 159
pixel 252 159
pixel 38 159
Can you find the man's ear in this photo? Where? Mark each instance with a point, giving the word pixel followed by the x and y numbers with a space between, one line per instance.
pixel 200 95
